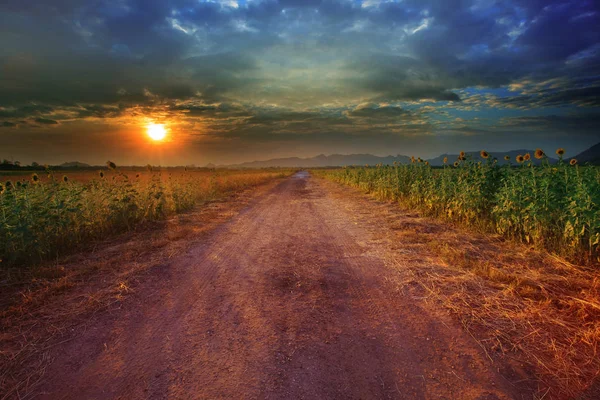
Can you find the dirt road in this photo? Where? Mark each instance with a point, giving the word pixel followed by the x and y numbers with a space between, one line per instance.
pixel 289 300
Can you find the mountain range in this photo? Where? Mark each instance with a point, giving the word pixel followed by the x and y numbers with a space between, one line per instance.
pixel 591 156
pixel 322 161
pixel 74 164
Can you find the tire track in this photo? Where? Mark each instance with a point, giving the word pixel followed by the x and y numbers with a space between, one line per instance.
pixel 290 299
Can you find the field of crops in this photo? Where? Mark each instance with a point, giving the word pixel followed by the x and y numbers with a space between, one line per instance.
pixel 46 214
pixel 552 206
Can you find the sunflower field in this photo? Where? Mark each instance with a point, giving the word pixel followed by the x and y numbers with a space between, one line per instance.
pixel 551 206
pixel 46 215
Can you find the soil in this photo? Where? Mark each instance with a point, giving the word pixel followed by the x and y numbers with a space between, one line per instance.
pixel 293 298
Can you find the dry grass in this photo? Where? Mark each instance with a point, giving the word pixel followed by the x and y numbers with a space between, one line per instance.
pixel 59 214
pixel 42 307
pixel 522 305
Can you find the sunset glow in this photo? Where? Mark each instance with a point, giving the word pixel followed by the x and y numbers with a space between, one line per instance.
pixel 257 198
pixel 236 81
pixel 156 132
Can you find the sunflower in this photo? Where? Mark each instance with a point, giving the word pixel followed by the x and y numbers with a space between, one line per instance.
pixel 456 163
pixel 507 158
pixel 445 160
pixel 484 154
pixel 560 152
pixel 573 161
pixel 65 179
pixel 527 157
pixel 412 159
pixel 426 162
pixel 1 188
pixel 8 185
pixel 137 175
pixel 35 178
pixel 539 154
pixel 520 159
pixel 111 165
pixel 101 174
pixel 462 154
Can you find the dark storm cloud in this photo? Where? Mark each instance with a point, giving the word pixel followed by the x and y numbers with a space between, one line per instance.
pixel 583 97
pixel 274 118
pixel 562 28
pixel 212 111
pixel 383 113
pixel 400 78
pixel 99 111
pixel 376 111
pixel 173 49
pixel 585 123
pixel 267 67
pixel 559 92
pixel 45 121
pixel 25 111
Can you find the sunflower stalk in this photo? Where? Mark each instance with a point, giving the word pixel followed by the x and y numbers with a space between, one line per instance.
pixel 550 206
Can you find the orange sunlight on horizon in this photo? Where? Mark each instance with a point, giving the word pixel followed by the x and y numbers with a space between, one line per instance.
pixel 156 132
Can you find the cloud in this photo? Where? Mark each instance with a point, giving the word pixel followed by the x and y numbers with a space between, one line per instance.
pixel 25 111
pixel 393 78
pixel 586 124
pixel 109 52
pixel 215 111
pixel 269 68
pixel 380 112
pixel 45 121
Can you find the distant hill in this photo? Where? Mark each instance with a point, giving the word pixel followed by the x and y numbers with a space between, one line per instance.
pixel 334 160
pixel 338 160
pixel 474 155
pixel 591 155
pixel 74 164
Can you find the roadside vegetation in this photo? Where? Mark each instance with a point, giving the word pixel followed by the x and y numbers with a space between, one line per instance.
pixel 551 206
pixel 532 298
pixel 44 215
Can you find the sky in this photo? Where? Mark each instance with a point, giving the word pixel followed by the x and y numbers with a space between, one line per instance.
pixel 245 80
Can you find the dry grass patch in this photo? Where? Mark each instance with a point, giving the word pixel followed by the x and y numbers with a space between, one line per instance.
pixel 527 306
pixel 41 307
pixel 521 303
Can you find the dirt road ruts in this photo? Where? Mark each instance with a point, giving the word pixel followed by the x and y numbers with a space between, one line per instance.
pixel 289 300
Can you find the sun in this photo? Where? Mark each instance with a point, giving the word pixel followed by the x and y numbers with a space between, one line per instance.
pixel 156 131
